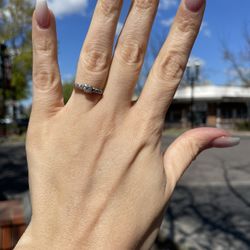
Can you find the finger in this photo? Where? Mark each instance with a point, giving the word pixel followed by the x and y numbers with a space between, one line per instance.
pixel 47 88
pixel 170 64
pixel 96 54
pixel 130 52
pixel 188 146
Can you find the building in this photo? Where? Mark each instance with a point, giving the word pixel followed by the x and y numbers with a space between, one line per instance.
pixel 217 106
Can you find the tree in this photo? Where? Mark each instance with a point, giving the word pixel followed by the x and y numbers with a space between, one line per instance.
pixel 240 61
pixel 67 90
pixel 15 32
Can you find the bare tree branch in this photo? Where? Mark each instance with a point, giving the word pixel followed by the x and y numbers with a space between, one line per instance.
pixel 240 61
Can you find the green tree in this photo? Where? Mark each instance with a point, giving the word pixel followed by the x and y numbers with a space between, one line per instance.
pixel 67 90
pixel 15 32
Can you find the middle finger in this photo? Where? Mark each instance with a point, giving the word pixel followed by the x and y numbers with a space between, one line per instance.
pixel 130 51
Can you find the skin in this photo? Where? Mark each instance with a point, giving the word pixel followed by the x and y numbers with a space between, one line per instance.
pixel 98 177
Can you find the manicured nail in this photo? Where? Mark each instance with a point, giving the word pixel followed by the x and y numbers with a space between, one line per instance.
pixel 42 14
pixel 224 142
pixel 194 5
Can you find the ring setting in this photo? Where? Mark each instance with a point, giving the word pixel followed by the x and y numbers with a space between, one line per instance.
pixel 87 88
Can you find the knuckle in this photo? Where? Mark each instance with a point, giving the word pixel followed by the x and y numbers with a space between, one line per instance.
pixel 171 67
pixel 190 145
pixel 45 78
pixel 145 4
pixel 187 25
pixel 40 77
pixel 193 148
pixel 110 7
pixel 148 127
pixel 131 52
pixel 45 47
pixel 95 58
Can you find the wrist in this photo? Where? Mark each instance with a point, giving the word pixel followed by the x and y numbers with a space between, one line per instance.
pixel 35 238
pixel 26 241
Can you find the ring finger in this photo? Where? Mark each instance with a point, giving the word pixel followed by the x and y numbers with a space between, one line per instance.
pixel 96 54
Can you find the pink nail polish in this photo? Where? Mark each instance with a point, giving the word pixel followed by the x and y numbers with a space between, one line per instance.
pixel 42 14
pixel 224 142
pixel 194 5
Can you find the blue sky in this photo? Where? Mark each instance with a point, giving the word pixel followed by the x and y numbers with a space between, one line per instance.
pixel 224 22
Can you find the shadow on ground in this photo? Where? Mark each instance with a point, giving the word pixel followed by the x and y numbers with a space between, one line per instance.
pixel 203 217
pixel 207 218
pixel 13 170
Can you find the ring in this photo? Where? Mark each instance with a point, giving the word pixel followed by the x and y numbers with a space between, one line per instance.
pixel 88 88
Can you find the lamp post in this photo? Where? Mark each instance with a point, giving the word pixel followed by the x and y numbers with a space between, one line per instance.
pixel 5 77
pixel 192 73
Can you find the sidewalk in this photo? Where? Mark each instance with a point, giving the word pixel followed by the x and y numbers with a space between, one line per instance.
pixel 240 133
pixel 176 132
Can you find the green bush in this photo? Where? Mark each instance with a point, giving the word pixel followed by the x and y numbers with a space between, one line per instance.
pixel 243 126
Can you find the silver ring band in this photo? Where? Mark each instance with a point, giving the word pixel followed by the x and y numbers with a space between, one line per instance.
pixel 85 87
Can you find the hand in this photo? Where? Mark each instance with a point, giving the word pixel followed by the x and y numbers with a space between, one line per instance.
pixel 98 177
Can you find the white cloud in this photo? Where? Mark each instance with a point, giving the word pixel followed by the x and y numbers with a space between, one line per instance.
pixel 66 7
pixel 194 60
pixel 167 22
pixel 205 29
pixel 167 4
pixel 204 25
pixel 207 33
pixel 119 28
pixel 67 77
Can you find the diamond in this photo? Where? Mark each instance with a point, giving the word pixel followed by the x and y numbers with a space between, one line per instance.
pixel 87 88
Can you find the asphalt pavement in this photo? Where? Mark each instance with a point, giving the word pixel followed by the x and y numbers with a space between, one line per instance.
pixel 210 208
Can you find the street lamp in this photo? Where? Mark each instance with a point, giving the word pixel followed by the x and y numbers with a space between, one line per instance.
pixel 5 78
pixel 192 74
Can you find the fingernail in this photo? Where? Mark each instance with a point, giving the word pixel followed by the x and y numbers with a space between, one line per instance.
pixel 194 5
pixel 42 14
pixel 224 142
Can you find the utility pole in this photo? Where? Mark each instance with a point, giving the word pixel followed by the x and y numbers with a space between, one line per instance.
pixel 193 74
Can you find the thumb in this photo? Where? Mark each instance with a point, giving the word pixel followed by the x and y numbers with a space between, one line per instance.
pixel 188 146
pixel 47 88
